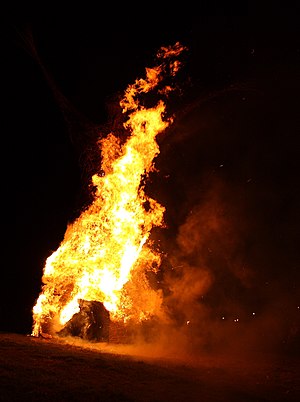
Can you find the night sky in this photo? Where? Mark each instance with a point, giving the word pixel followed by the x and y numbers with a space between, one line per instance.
pixel 228 167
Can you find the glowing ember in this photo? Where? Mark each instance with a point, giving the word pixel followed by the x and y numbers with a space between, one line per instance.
pixel 106 253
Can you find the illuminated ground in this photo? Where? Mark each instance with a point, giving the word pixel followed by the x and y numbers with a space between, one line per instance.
pixel 35 369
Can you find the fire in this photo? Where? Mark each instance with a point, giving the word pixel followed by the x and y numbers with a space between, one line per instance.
pixel 106 252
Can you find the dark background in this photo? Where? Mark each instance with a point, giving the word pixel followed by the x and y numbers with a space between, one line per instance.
pixel 228 167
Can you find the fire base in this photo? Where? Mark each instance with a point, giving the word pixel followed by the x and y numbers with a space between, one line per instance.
pixel 91 323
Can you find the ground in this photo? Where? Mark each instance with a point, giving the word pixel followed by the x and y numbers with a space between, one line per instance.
pixel 37 369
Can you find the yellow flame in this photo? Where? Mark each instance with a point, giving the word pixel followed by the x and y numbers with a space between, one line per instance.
pixel 105 253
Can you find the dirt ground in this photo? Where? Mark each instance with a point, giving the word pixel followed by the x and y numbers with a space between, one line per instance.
pixel 37 369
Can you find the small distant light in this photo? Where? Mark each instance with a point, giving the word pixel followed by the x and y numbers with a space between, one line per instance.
pixel 223 318
pixel 188 322
pixel 253 313
pixel 221 165
pixel 236 320
pixel 298 307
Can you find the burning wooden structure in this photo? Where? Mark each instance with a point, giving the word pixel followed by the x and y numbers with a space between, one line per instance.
pixel 91 323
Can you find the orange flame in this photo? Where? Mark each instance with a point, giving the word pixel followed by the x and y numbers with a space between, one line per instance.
pixel 106 252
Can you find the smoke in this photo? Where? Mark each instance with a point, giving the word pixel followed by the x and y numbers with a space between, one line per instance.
pixel 230 256
pixel 216 298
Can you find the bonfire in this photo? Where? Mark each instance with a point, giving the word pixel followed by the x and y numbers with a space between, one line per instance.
pixel 99 273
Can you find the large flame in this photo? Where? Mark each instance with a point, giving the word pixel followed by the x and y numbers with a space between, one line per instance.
pixel 106 253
